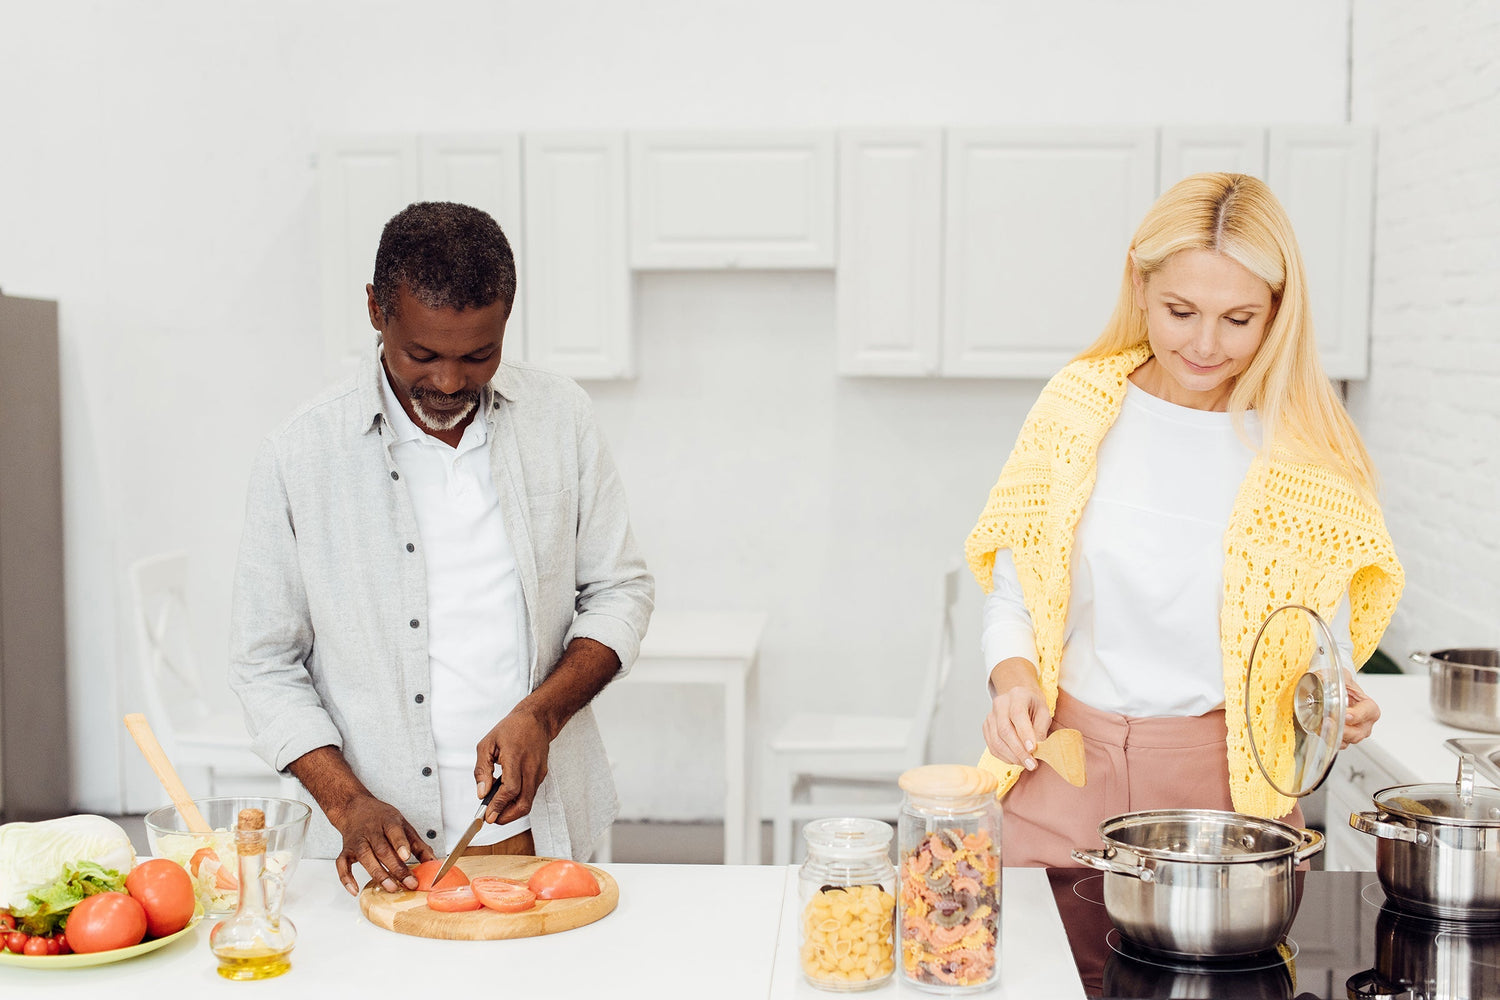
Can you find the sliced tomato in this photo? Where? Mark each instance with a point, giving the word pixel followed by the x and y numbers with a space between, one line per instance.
pixel 225 876
pixel 454 899
pixel 562 880
pixel 503 894
pixel 427 869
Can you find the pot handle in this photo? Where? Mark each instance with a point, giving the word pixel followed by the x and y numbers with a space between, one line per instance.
pixel 1369 822
pixel 1104 861
pixel 1371 985
pixel 1312 843
pixel 1423 659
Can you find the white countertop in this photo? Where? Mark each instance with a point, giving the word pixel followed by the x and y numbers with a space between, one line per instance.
pixel 687 931
pixel 1408 740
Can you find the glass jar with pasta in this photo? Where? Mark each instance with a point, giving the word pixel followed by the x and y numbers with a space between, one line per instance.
pixel 948 879
pixel 847 890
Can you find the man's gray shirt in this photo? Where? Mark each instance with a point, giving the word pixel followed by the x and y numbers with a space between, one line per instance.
pixel 328 640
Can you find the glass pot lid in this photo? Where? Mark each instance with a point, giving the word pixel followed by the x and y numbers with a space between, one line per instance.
pixel 1295 699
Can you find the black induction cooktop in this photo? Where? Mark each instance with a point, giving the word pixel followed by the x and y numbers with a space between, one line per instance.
pixel 1346 938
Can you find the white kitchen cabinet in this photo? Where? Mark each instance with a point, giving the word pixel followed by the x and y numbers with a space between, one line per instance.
pixel 1324 175
pixel 483 169
pixel 1200 149
pixel 1350 788
pixel 732 200
pixel 576 264
pixel 889 286
pixel 363 181
pixel 1038 224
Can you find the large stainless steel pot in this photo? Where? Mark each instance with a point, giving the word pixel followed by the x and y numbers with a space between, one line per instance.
pixel 1465 687
pixel 1200 883
pixel 1439 848
pixel 1416 957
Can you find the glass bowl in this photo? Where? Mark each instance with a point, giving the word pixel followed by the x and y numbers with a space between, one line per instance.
pixel 216 880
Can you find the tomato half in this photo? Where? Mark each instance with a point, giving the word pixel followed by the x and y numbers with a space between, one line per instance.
pixel 106 921
pixel 163 888
pixel 502 894
pixel 427 869
pixel 454 899
pixel 562 880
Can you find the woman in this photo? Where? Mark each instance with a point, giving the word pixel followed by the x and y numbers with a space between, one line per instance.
pixel 1187 474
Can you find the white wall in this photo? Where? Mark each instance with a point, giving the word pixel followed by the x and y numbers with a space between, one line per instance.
pixel 156 178
pixel 1429 76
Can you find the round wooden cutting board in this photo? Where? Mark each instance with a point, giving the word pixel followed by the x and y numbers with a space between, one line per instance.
pixel 407 912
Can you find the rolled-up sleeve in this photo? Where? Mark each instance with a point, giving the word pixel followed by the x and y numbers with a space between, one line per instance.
pixel 615 590
pixel 270 628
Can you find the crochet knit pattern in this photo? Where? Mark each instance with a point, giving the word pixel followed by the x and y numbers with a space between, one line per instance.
pixel 1299 533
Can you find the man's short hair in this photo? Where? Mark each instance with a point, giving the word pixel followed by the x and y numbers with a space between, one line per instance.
pixel 449 256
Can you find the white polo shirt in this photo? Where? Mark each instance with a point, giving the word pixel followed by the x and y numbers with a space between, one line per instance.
pixel 476 645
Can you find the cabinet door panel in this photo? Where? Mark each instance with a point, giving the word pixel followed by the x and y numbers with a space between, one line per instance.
pixel 716 200
pixel 1038 226
pixel 890 258
pixel 577 271
pixel 363 181
pixel 1200 149
pixel 483 170
pixel 1324 175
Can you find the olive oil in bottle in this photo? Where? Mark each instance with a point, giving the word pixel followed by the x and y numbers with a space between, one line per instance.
pixel 255 943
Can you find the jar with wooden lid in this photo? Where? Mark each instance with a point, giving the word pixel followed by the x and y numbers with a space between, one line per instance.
pixel 948 879
pixel 847 890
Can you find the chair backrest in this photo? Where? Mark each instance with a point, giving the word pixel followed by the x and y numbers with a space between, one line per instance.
pixel 936 678
pixel 164 641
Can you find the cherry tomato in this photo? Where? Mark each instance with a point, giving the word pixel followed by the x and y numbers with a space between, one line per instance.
pixel 16 941
pixel 563 879
pixel 503 894
pixel 165 891
pixel 454 899
pixel 55 943
pixel 106 921
pixel 63 948
pixel 7 922
pixel 35 946
pixel 427 869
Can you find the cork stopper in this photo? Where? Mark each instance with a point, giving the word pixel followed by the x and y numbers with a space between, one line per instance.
pixel 250 834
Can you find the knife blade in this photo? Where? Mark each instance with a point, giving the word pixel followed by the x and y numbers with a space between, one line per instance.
pixel 463 841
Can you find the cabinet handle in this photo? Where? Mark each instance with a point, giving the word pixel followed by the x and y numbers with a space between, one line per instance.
pixel 1355 774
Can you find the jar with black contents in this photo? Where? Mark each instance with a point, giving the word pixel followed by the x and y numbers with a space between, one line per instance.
pixel 948 896
pixel 847 890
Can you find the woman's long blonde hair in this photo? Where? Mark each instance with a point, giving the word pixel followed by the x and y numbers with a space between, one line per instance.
pixel 1237 216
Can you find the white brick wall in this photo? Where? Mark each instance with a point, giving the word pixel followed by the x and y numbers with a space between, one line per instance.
pixel 1428 75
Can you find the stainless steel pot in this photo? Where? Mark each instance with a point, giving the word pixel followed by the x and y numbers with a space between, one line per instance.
pixel 1199 883
pixel 1465 687
pixel 1439 849
pixel 1416 957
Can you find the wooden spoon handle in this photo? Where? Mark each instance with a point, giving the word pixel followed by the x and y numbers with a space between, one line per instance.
pixel 165 773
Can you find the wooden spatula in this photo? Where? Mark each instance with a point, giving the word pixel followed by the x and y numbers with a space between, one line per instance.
pixel 1063 750
pixel 151 749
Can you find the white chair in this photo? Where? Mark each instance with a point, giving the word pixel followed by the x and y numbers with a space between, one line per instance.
pixel 205 746
pixel 847 752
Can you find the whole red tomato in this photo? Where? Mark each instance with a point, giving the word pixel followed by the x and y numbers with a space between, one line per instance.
pixel 164 889
pixel 106 921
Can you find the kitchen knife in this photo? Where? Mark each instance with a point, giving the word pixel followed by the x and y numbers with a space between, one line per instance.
pixel 463 841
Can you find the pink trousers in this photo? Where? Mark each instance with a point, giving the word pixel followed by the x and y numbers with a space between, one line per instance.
pixel 1130 765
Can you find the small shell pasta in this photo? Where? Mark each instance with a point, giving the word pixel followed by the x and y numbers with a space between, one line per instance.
pixel 849 937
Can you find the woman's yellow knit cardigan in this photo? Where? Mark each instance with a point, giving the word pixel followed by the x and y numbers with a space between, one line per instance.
pixel 1298 533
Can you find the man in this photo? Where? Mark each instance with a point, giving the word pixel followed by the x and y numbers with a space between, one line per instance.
pixel 437 575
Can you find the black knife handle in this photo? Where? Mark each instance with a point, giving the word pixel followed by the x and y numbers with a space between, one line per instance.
pixel 491 793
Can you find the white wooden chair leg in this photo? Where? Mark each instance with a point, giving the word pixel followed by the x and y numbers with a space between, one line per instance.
pixel 781 835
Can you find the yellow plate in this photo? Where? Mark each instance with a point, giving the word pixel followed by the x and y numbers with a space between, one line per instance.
pixel 76 961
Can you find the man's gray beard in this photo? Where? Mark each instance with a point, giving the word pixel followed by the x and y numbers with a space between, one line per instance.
pixel 436 422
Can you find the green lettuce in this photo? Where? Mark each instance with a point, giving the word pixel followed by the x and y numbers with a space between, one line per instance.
pixel 46 909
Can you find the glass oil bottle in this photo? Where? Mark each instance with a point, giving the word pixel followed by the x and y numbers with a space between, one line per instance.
pixel 255 943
